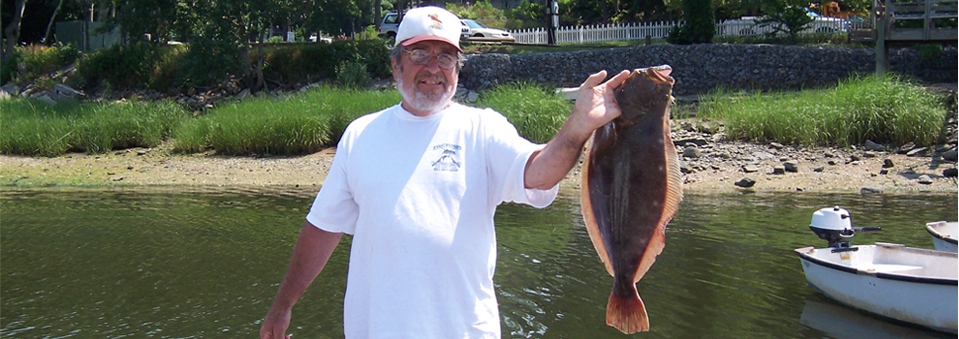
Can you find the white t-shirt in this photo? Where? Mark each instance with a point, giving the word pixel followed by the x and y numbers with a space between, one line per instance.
pixel 418 194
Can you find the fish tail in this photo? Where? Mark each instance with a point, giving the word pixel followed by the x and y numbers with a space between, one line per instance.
pixel 626 311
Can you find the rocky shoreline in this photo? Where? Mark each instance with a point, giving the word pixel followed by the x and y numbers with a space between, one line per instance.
pixel 709 165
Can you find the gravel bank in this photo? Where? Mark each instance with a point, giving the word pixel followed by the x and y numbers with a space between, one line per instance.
pixel 717 168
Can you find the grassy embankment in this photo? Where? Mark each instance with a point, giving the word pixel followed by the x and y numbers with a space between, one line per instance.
pixel 296 124
pixel 886 110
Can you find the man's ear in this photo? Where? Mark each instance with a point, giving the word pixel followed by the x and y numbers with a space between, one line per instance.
pixel 396 72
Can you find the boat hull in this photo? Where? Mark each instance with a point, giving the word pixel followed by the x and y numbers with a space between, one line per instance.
pixel 944 235
pixel 911 285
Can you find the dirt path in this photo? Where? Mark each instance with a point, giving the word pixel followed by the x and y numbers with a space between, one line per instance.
pixel 819 170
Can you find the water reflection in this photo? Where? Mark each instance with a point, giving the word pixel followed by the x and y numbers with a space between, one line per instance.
pixel 196 263
pixel 841 322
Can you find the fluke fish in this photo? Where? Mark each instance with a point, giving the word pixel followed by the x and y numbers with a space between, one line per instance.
pixel 631 188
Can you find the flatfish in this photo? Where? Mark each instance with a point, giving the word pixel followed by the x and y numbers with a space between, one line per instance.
pixel 631 188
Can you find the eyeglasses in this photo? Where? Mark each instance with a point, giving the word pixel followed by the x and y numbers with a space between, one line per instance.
pixel 422 57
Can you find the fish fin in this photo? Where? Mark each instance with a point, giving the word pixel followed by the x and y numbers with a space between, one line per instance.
pixel 627 313
pixel 588 217
pixel 674 195
pixel 674 179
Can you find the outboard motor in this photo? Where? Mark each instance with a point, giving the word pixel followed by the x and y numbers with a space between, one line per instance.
pixel 834 224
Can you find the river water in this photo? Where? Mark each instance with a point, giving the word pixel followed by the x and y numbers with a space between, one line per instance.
pixel 205 263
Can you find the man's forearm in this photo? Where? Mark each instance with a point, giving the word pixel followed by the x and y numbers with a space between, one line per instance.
pixel 313 249
pixel 551 164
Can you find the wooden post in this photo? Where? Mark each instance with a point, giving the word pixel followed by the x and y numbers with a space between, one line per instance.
pixel 882 51
pixel 882 33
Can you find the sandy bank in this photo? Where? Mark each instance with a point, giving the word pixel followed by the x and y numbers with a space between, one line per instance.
pixel 819 170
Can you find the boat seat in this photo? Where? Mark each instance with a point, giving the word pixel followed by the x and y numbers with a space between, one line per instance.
pixel 890 268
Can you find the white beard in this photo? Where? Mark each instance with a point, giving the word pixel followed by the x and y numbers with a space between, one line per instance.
pixel 425 102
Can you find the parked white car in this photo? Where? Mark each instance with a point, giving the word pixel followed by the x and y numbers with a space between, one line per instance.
pixel 389 24
pixel 473 30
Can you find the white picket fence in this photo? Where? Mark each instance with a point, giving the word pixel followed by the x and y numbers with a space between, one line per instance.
pixel 657 31
pixel 581 34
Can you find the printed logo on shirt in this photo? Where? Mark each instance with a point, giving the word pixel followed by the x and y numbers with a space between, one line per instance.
pixel 447 158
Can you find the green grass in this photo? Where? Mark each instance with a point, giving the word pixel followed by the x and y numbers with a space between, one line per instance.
pixel 886 110
pixel 36 128
pixel 537 112
pixel 296 124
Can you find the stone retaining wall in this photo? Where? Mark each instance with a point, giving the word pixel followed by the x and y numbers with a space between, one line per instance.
pixel 700 68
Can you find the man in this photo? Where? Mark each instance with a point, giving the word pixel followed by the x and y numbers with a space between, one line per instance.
pixel 417 185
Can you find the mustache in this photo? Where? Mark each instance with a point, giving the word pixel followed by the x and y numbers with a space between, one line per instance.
pixel 431 77
pixel 427 75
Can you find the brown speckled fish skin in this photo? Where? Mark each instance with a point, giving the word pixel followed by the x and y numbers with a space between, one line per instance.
pixel 631 188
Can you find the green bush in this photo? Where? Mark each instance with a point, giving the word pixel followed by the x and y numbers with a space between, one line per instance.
pixel 209 63
pixel 352 74
pixel 31 62
pixel 126 66
pixel 146 65
pixel 308 63
pixel 369 33
pixel 698 26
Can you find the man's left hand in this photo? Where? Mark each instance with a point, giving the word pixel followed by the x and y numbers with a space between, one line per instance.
pixel 595 104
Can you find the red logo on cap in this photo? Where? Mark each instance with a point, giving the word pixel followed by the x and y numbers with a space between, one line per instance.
pixel 436 21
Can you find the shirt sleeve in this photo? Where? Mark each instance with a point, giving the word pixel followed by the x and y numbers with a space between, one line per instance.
pixel 334 209
pixel 508 153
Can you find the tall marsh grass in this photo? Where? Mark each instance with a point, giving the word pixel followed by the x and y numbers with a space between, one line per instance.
pixel 296 124
pixel 886 110
pixel 35 128
pixel 537 112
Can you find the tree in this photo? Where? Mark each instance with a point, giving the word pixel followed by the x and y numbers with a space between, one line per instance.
pixel 238 23
pixel 158 19
pixel 644 10
pixel 698 26
pixel 787 16
pixel 53 18
pixel 12 31
pixel 335 16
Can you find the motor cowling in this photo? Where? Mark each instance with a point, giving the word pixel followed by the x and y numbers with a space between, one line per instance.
pixel 832 224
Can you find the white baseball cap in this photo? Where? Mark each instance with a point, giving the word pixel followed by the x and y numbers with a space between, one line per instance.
pixel 429 23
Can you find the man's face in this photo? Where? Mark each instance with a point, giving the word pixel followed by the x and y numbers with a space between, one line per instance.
pixel 426 88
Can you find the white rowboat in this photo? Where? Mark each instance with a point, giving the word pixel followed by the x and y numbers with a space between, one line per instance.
pixel 944 235
pixel 910 285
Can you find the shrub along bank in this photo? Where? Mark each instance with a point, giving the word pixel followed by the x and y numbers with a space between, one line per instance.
pixel 178 68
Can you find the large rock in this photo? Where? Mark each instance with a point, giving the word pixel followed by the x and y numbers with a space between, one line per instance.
pixel 949 155
pixel 872 146
pixel 65 91
pixel 745 182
